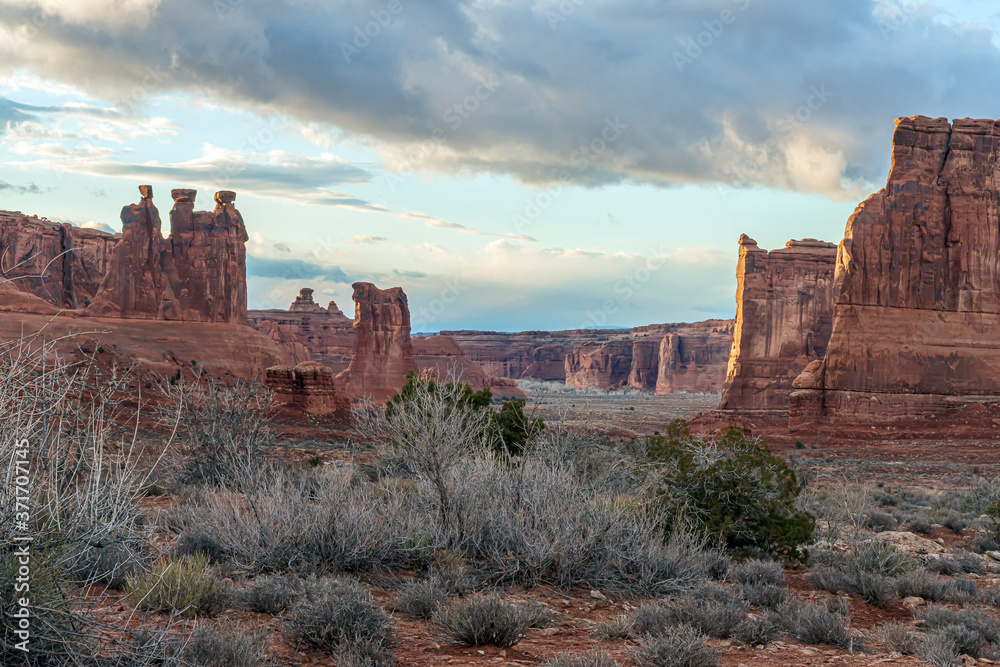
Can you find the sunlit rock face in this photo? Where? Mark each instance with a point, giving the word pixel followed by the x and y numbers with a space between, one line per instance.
pixel 784 318
pixel 197 274
pixel 917 286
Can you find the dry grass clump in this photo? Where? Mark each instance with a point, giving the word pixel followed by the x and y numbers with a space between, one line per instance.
pixel 182 585
pixel 483 621
pixel 679 646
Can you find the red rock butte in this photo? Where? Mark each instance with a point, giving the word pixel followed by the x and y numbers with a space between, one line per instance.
pixel 197 274
pixel 784 318
pixel 917 287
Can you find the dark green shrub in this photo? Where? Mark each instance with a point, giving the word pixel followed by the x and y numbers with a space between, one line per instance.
pixel 338 617
pixel 735 491
pixel 274 594
pixel 508 429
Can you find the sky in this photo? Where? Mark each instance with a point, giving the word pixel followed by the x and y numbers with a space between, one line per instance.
pixel 512 164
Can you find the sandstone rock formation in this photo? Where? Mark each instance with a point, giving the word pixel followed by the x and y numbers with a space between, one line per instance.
pixel 228 351
pixel 198 274
pixel 308 387
pixel 307 331
pixel 693 359
pixel 59 263
pixel 666 358
pixel 918 286
pixel 383 351
pixel 784 317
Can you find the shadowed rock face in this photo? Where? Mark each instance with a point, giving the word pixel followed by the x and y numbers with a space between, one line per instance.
pixel 918 286
pixel 61 264
pixel 784 317
pixel 198 274
pixel 308 387
pixel 383 352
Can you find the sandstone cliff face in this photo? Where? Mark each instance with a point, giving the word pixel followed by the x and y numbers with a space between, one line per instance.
pixel 665 358
pixel 784 318
pixel 694 361
pixel 383 352
pixel 59 263
pixel 440 357
pixel 918 285
pixel 198 274
pixel 574 356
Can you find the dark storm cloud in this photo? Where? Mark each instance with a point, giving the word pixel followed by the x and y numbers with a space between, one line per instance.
pixel 699 90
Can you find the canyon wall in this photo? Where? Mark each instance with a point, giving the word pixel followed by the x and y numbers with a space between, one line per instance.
pixel 918 287
pixel 197 274
pixel 784 318
pixel 664 358
pixel 307 331
pixel 59 263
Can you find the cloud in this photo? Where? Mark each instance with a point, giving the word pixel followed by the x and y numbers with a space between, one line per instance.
pixel 710 90
pixel 364 238
pixel 292 269
pixel 277 174
pixel 437 223
pixel 29 189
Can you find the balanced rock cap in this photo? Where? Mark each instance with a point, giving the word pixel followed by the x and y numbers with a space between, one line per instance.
pixel 225 197
pixel 184 195
pixel 146 191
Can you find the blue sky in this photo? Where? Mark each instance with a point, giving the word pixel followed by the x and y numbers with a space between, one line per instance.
pixel 511 164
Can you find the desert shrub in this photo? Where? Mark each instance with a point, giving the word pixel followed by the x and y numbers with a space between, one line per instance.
pixel 613 628
pixel 760 583
pixel 508 430
pixel 420 599
pixel 990 595
pixel 229 647
pixel 967 641
pixel 936 617
pixel 273 594
pixel 57 425
pixel 868 572
pixel 939 650
pixel 679 646
pixel 182 585
pixel 881 521
pixel 954 522
pixel 764 596
pixel 482 621
pixel 814 624
pixel 758 630
pixel 715 616
pixel 536 614
pixel 589 659
pixel 340 618
pixel 899 638
pixel 971 563
pixel 945 566
pixel 920 524
pixel 933 588
pixel 735 491
pixel 226 428
pixel 200 541
pixel 758 572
